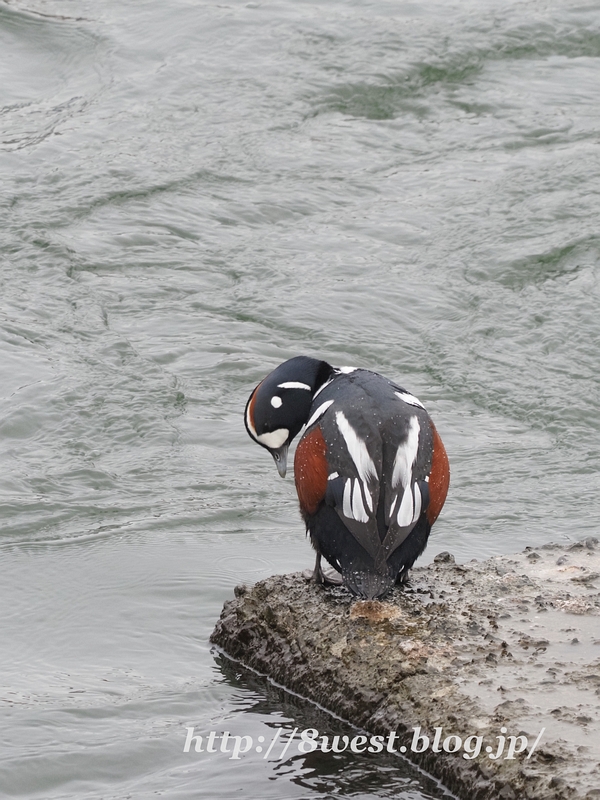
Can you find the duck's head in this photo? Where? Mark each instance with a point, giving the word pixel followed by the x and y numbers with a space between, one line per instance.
pixel 280 405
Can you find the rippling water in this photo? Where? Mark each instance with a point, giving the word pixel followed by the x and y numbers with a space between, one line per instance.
pixel 193 192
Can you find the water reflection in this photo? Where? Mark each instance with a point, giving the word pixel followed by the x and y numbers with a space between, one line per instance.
pixel 345 774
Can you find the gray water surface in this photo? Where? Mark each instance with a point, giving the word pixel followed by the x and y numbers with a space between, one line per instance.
pixel 192 192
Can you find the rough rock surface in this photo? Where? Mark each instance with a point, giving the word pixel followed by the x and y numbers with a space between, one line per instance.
pixel 511 642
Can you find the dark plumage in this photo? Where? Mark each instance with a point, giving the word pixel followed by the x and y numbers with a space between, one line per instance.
pixel 371 471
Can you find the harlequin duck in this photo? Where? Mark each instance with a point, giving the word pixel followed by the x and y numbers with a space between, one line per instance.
pixel 370 468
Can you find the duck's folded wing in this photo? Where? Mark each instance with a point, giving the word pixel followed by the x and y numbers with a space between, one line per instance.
pixel 354 504
pixel 405 481
pixel 406 507
pixel 353 486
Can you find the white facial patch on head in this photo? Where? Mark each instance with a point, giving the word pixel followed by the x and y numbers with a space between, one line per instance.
pixel 294 385
pixel 276 401
pixel 275 439
pixel 251 427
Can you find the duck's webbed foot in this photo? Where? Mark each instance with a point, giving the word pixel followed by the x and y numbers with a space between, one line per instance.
pixel 331 577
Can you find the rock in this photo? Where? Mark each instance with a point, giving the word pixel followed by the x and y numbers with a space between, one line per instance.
pixel 444 558
pixel 462 652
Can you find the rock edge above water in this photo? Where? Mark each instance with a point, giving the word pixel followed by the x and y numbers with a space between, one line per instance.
pixel 510 642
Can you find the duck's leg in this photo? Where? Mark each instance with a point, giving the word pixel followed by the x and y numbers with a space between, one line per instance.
pixel 317 576
pixel 331 577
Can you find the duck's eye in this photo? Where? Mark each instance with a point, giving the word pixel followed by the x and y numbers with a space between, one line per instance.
pixel 276 401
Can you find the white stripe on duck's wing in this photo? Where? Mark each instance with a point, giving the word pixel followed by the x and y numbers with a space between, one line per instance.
pixel 406 397
pixel 355 493
pixel 352 500
pixel 406 496
pixel 410 507
pixel 410 399
pixel 347 500
pixel 358 509
pixel 320 389
pixel 405 514
pixel 316 415
pixel 414 502
pixel 356 448
pixel 406 455
pixel 344 495
pixel 418 502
